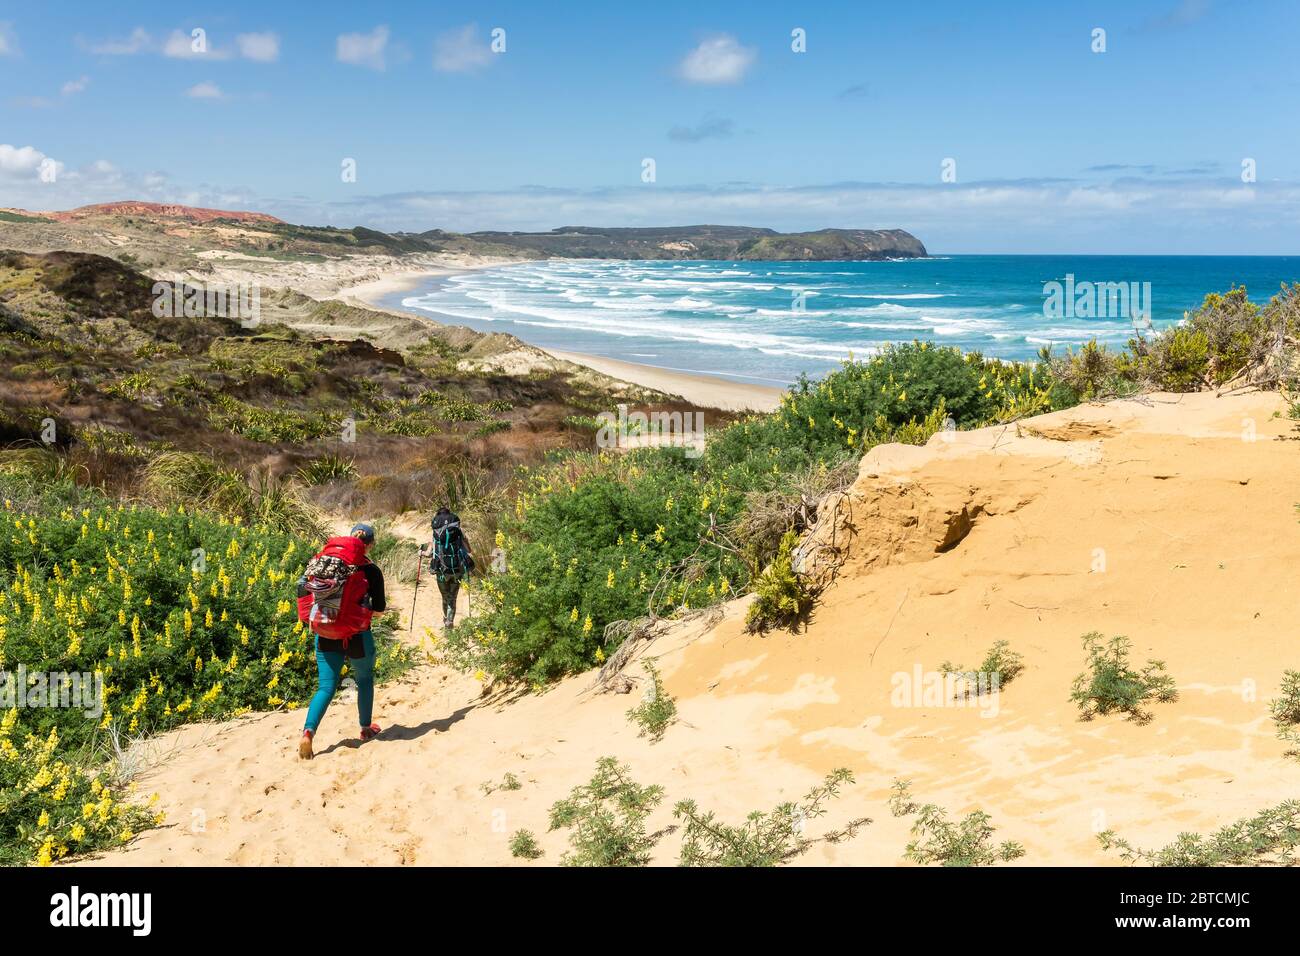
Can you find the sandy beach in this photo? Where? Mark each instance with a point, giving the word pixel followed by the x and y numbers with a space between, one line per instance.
pixel 705 390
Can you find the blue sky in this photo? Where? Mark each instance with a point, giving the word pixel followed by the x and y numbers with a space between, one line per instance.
pixel 1057 148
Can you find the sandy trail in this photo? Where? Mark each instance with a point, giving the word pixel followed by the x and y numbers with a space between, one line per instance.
pixel 1171 521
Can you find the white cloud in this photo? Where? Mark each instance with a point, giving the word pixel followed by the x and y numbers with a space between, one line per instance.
pixel 138 42
pixel 719 59
pixel 21 185
pixel 184 45
pixel 70 88
pixel 262 47
pixel 205 91
pixel 364 49
pixel 461 51
pixel 20 163
pixel 8 40
pixel 26 165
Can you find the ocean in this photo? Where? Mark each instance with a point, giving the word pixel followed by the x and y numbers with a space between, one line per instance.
pixel 769 322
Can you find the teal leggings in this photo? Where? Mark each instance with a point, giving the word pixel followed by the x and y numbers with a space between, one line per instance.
pixel 329 668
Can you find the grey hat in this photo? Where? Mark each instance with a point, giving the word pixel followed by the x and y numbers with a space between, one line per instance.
pixel 367 533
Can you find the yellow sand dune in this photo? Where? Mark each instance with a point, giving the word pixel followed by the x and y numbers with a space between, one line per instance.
pixel 1170 520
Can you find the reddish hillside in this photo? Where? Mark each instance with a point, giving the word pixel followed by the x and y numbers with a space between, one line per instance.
pixel 159 210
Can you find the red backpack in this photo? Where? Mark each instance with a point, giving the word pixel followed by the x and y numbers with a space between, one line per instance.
pixel 332 589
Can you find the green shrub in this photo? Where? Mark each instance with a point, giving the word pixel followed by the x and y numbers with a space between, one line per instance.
pixel 1091 373
pixel 781 599
pixel 657 709
pixel 938 840
pixel 607 819
pixel 1237 333
pixel 1270 838
pixel 1176 360
pixel 523 845
pixel 1285 710
pixel 509 782
pixel 901 803
pixel 1110 684
pixel 1225 338
pixel 764 839
pixel 1000 667
pixel 901 388
pixel 586 549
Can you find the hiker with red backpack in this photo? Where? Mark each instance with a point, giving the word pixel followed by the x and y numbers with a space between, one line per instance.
pixel 450 560
pixel 337 595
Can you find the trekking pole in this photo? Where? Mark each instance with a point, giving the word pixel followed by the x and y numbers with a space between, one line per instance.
pixel 419 560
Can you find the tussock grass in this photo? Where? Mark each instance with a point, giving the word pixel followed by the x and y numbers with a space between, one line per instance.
pixel 194 479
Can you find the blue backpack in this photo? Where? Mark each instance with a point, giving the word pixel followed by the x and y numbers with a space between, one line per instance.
pixel 451 558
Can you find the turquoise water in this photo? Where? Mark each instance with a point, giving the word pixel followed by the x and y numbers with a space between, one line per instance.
pixel 767 322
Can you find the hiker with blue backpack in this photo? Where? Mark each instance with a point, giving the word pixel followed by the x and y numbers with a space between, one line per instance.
pixel 337 595
pixel 450 560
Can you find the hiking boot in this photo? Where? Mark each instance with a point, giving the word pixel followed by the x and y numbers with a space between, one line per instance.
pixel 370 732
pixel 304 746
pixel 448 623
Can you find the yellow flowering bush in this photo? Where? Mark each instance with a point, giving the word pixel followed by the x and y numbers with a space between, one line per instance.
pixel 905 394
pixel 51 807
pixel 169 616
